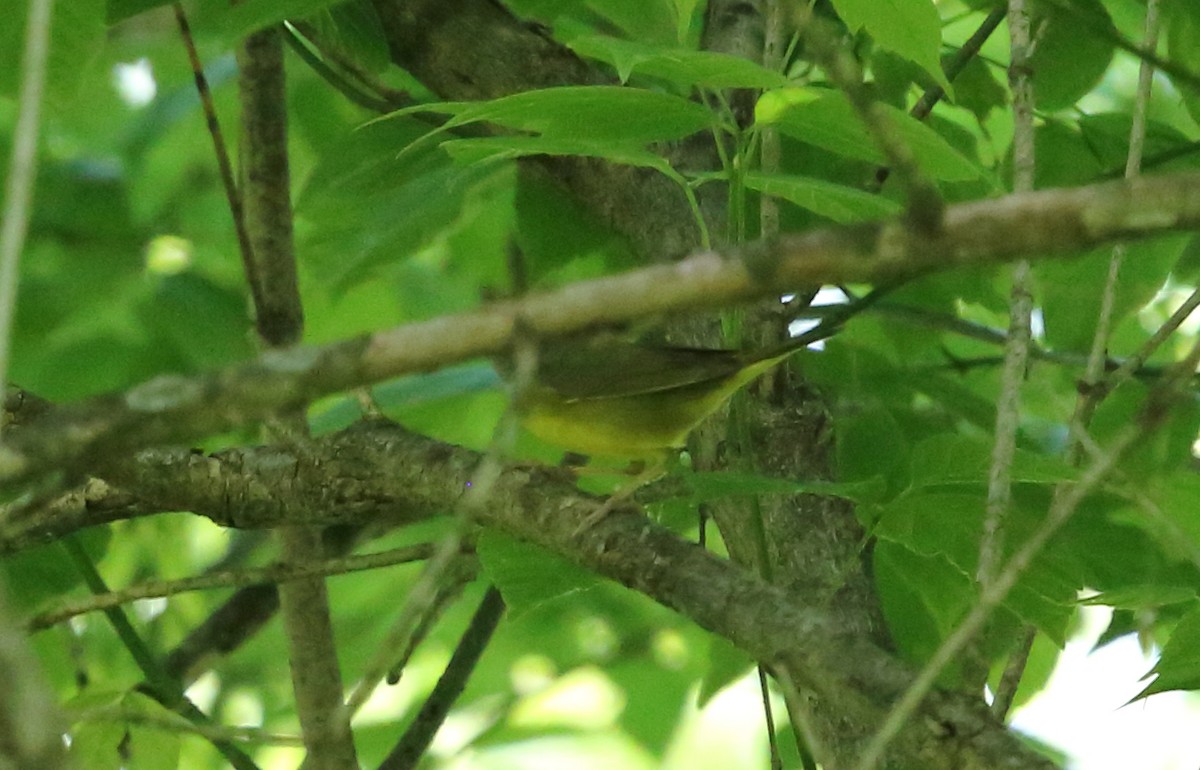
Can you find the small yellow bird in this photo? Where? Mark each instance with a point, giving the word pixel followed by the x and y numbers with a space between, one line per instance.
pixel 625 399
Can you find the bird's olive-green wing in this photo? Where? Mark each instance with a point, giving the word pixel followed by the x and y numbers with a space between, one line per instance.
pixel 612 369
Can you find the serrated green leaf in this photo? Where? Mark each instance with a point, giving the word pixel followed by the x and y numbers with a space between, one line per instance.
pixel 825 119
pixel 945 525
pixel 949 459
pixel 678 65
pixel 908 28
pixel 922 597
pixel 527 575
pixel 1142 597
pixel 837 202
pixel 1178 668
pixel 935 523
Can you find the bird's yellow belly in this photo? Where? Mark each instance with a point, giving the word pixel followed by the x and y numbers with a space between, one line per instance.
pixel 638 425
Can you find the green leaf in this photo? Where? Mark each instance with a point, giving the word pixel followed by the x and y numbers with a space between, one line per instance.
pixel 714 485
pixel 1183 45
pixel 678 65
pixel 96 745
pixel 977 89
pixel 726 664
pixel 1070 290
pixel 837 202
pixel 1179 666
pixel 871 445
pixel 1178 528
pixel 825 119
pixel 354 30
pixel 560 239
pixel 1072 52
pixel 38 575
pixel 527 575
pixel 588 113
pixel 1142 597
pixel 487 148
pixel 923 598
pixel 950 459
pixel 1107 136
pixel 183 303
pixel 234 21
pixel 366 210
pixel 650 20
pixel 936 523
pixel 76 41
pixel 909 28
pixel 151 748
pixel 685 11
pixel 949 524
pixel 119 10
pixel 451 382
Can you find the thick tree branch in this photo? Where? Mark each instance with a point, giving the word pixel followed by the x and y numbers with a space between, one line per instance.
pixel 397 471
pixel 88 435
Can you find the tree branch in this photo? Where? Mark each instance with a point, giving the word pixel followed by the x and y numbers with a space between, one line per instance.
pixel 98 431
pixel 396 469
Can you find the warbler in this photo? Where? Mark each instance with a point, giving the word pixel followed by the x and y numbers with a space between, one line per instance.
pixel 626 399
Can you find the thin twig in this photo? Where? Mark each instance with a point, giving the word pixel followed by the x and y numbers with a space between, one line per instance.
pixel 1016 350
pixel 966 52
pixel 422 597
pixel 276 573
pixel 1090 395
pixel 279 320
pixel 813 753
pixel 416 739
pixel 232 195
pixel 126 716
pixel 764 691
pixel 952 68
pixel 1010 680
pixel 1137 361
pixel 22 169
